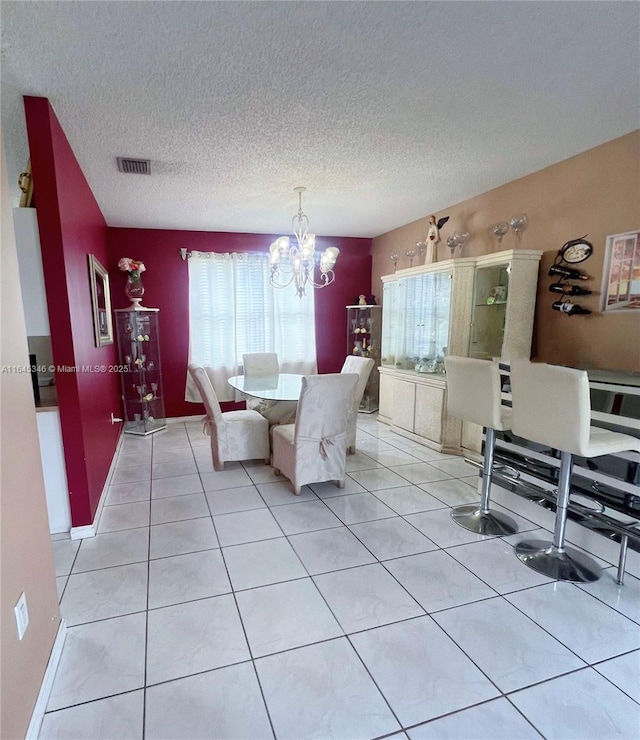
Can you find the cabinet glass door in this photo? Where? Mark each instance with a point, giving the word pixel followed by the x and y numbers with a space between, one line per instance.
pixel 415 324
pixel 490 298
pixel 426 313
pixel 390 323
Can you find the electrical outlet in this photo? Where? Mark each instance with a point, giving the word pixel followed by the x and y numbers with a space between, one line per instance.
pixel 22 615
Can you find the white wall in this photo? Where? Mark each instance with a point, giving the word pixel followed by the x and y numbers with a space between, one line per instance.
pixel 34 296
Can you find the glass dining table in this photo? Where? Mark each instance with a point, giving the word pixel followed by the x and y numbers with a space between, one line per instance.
pixel 281 387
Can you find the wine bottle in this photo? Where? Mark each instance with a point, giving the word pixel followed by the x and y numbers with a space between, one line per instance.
pixel 572 309
pixel 567 273
pixel 567 289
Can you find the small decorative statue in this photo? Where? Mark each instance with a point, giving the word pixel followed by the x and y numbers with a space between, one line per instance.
pixel 433 237
pixel 362 300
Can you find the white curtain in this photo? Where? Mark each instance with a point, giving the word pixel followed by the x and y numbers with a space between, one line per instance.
pixel 234 310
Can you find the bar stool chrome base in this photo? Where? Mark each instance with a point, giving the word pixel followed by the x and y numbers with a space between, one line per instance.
pixel 568 565
pixel 471 517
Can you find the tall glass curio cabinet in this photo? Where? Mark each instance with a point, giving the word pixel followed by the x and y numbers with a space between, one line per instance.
pixel 363 339
pixel 139 353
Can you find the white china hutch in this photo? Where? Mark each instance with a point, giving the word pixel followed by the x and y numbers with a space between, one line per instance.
pixel 479 307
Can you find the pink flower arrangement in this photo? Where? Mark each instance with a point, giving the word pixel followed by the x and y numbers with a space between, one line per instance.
pixel 131 267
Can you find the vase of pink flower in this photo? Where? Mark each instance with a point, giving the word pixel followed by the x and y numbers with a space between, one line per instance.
pixel 134 289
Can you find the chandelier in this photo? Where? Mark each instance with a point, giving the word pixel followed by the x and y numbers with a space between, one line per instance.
pixel 295 263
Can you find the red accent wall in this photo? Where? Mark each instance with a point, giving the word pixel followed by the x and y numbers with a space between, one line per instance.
pixel 166 283
pixel 71 227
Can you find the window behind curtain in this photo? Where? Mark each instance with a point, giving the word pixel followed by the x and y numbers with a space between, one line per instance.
pixel 234 310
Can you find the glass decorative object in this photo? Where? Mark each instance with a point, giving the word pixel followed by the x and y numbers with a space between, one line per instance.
pixel 134 290
pixel 411 253
pixel 462 237
pixel 519 224
pixel 499 230
pixel 394 258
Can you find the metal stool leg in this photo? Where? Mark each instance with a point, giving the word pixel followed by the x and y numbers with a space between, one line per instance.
pixel 622 560
pixel 553 559
pixel 480 519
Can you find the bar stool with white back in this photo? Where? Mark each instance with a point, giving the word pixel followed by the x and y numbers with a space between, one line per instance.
pixel 551 406
pixel 474 394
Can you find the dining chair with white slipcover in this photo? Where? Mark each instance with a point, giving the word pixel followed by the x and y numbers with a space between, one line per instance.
pixel 314 449
pixel 362 366
pixel 235 435
pixel 261 364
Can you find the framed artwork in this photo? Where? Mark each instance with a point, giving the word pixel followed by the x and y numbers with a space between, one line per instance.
pixel 100 303
pixel 621 273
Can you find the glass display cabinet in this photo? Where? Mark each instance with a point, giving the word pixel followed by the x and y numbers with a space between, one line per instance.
pixel 139 354
pixel 471 306
pixel 504 301
pixel 364 326
pixel 490 293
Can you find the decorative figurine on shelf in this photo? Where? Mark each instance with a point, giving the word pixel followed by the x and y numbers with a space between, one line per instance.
pixel 362 300
pixel 433 237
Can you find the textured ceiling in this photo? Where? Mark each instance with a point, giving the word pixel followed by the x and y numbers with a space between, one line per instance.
pixel 385 111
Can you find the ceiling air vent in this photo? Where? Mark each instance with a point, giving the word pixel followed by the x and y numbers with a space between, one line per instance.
pixel 134 166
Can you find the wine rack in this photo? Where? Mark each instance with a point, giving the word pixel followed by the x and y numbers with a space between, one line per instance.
pixel 140 372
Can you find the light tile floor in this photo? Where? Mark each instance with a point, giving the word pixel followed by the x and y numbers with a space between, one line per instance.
pixel 218 605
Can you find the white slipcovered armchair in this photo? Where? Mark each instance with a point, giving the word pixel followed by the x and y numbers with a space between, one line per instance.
pixel 363 367
pixel 263 364
pixel 314 449
pixel 235 435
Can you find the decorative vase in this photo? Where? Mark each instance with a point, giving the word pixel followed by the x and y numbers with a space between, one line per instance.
pixel 134 290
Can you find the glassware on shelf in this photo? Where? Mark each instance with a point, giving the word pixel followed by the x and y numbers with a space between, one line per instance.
pixel 499 230
pixel 411 253
pixel 519 224
pixel 394 258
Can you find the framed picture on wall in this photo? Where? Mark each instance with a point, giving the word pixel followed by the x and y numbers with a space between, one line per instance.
pixel 621 273
pixel 100 303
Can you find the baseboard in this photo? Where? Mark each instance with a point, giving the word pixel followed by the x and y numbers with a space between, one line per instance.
pixel 180 419
pixel 83 533
pixel 47 683
pixel 89 530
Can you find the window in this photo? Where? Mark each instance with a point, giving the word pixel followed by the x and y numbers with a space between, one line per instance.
pixel 233 310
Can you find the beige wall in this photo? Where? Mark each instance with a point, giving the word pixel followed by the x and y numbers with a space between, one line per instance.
pixel 25 543
pixel 594 193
